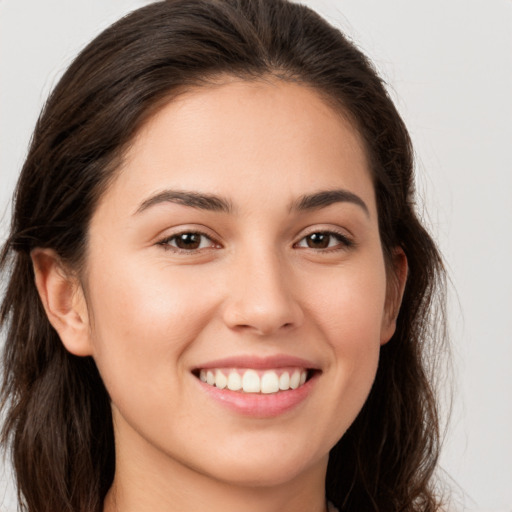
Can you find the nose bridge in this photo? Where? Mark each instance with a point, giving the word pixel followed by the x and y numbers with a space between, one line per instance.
pixel 261 294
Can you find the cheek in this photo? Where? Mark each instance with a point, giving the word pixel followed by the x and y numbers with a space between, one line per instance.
pixel 349 314
pixel 147 300
pixel 142 324
pixel 349 304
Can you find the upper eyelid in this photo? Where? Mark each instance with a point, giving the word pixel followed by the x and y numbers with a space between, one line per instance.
pixel 172 232
pixel 343 233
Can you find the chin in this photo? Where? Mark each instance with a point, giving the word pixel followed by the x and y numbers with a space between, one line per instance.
pixel 264 468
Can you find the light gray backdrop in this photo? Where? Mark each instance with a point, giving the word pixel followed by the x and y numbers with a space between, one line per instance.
pixel 448 63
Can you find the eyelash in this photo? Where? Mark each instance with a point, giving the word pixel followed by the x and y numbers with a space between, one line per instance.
pixel 343 242
pixel 166 242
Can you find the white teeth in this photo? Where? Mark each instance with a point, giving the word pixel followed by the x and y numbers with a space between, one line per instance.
pixel 270 382
pixel 220 380
pixel 284 381
pixel 295 379
pixel 234 381
pixel 252 381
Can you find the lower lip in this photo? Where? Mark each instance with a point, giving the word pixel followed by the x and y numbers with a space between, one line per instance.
pixel 259 405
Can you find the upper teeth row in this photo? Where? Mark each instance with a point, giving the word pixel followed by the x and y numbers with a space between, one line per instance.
pixel 251 382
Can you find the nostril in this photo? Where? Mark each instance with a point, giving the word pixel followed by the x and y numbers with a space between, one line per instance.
pixel 242 327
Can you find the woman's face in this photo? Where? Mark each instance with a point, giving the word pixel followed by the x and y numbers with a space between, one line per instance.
pixel 239 245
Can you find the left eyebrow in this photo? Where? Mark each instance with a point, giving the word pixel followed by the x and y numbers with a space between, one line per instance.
pixel 325 198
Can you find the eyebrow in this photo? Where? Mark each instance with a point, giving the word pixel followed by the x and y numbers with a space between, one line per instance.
pixel 215 203
pixel 192 199
pixel 325 198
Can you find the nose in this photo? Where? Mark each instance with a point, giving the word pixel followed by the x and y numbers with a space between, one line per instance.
pixel 261 296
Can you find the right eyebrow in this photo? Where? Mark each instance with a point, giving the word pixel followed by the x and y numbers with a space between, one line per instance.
pixel 192 199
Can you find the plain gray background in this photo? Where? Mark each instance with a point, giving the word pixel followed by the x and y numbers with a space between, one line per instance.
pixel 448 64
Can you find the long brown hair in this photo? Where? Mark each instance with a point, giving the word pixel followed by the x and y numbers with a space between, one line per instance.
pixel 58 418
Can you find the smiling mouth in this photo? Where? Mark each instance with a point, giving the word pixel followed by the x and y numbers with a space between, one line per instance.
pixel 250 380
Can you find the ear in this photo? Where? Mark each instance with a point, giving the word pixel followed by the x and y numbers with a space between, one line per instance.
pixel 397 278
pixel 63 300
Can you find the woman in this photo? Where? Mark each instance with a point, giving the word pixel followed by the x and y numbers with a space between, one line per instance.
pixel 219 294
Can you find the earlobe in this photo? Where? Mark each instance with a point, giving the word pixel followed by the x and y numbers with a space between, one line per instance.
pixel 63 300
pixel 397 279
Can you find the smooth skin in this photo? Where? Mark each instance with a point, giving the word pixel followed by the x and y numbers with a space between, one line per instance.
pixel 170 286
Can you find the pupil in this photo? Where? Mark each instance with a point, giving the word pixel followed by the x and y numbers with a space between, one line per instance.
pixel 318 241
pixel 188 241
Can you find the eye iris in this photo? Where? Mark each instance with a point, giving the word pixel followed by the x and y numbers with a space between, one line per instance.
pixel 188 241
pixel 318 240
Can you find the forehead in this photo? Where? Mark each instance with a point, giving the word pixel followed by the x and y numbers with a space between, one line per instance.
pixel 238 137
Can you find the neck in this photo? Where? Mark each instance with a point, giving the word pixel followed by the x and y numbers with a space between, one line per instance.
pixel 129 499
pixel 166 485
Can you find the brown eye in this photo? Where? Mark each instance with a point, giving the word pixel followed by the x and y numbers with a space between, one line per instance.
pixel 324 240
pixel 318 240
pixel 188 241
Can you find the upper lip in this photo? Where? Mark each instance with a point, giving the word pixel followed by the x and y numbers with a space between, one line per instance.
pixel 258 362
